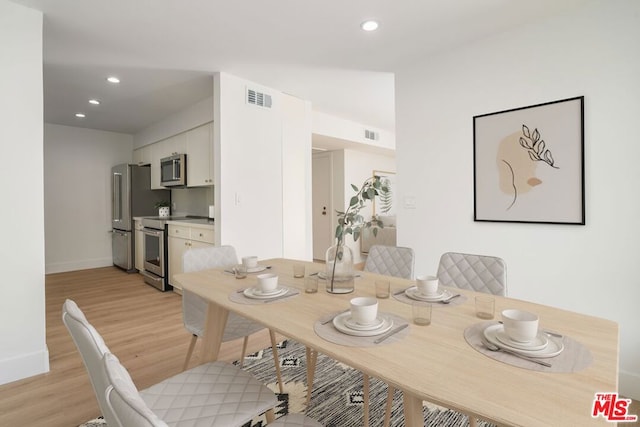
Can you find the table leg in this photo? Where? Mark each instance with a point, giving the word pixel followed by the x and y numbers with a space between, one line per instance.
pixel 216 320
pixel 413 416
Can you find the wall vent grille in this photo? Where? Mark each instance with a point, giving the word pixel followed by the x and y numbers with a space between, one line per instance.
pixel 258 98
pixel 372 135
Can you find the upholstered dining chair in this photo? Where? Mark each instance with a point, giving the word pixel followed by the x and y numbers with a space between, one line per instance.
pixel 200 396
pixel 479 273
pixel 194 308
pixel 393 261
pixel 128 407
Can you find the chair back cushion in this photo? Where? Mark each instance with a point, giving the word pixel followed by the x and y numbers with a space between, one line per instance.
pixel 209 257
pixel 127 409
pixel 478 273
pixel 391 261
pixel 91 347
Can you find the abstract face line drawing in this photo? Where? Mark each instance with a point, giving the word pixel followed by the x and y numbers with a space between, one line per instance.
pixel 517 167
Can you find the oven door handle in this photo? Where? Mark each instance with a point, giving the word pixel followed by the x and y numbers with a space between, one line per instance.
pixel 152 232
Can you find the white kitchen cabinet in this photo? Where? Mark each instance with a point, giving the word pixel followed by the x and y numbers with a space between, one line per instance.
pixel 142 156
pixel 199 142
pixel 181 239
pixel 139 245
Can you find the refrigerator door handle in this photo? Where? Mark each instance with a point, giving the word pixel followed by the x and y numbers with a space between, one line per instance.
pixel 117 197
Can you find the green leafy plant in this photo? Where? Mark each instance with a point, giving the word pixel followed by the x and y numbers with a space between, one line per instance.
pixel 350 221
pixel 386 197
pixel 162 204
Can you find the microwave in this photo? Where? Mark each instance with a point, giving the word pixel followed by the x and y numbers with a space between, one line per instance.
pixel 173 171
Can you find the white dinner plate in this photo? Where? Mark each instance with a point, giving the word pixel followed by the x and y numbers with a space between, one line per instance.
pixel 258 294
pixel 339 323
pixel 552 349
pixel 413 293
pixel 256 269
pixel 350 323
pixel 538 343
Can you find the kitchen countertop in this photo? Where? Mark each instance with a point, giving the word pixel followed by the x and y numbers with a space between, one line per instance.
pixel 199 222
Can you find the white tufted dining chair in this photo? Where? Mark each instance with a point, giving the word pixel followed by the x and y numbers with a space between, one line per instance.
pixel 479 273
pixel 200 395
pixel 393 261
pixel 194 308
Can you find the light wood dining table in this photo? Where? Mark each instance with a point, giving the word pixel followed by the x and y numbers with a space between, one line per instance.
pixel 432 363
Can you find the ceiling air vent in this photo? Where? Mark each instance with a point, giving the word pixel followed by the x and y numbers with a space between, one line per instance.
pixel 258 98
pixel 369 134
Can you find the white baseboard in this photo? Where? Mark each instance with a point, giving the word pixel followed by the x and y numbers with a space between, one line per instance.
pixel 61 267
pixel 24 366
pixel 629 385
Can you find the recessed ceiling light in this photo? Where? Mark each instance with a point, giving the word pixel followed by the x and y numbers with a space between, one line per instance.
pixel 369 25
pixel 94 102
pixel 80 115
pixel 113 79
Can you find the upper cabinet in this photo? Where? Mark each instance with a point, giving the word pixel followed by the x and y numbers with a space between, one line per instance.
pixel 196 143
pixel 199 151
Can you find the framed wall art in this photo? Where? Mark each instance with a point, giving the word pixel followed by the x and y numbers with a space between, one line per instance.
pixel 529 164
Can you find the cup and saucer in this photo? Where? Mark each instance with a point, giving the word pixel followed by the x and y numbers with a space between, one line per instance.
pixel 267 288
pixel 363 319
pixel 251 264
pixel 427 290
pixel 519 333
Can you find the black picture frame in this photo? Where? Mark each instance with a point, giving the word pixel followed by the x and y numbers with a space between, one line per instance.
pixel 528 164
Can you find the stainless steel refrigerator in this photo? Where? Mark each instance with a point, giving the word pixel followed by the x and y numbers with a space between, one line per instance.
pixel 131 196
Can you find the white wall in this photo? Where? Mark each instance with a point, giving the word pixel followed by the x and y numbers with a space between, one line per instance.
pixel 77 202
pixel 591 269
pixel 336 127
pixel 297 223
pixel 248 169
pixel 23 350
pixel 189 118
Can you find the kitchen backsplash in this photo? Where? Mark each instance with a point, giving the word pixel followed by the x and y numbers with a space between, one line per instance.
pixel 191 201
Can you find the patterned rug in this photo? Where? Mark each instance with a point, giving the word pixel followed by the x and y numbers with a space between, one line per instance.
pixel 336 400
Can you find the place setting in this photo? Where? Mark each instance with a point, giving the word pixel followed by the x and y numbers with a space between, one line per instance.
pixel 519 341
pixel 427 289
pixel 361 325
pixel 249 265
pixel 267 289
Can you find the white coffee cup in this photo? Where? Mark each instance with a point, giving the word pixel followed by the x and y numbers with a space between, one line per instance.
pixel 519 325
pixel 250 261
pixel 427 285
pixel 364 310
pixel 267 282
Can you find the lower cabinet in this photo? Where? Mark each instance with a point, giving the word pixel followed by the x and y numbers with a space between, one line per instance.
pixel 181 239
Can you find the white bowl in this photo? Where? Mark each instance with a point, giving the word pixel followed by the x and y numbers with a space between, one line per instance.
pixel 250 261
pixel 364 310
pixel 519 325
pixel 427 285
pixel 267 282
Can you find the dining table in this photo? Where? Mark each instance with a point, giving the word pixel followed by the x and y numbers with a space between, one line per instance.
pixel 434 363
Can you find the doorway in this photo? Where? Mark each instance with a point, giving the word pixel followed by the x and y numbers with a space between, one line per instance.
pixel 322 206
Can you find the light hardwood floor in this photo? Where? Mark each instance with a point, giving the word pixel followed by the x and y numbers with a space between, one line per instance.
pixel 141 325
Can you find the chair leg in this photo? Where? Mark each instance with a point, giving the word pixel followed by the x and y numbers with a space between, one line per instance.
pixel 312 357
pixel 270 415
pixel 365 398
pixel 192 345
pixel 473 422
pixel 244 350
pixel 276 361
pixel 387 410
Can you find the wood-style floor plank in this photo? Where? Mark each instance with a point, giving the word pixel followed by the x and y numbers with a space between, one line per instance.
pixel 141 325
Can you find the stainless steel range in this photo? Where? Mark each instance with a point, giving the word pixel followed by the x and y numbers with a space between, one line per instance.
pixel 156 259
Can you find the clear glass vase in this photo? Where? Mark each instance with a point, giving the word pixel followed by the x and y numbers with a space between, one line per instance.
pixel 339 270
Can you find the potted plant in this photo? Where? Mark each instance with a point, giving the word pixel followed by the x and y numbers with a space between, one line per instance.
pixel 163 208
pixel 339 258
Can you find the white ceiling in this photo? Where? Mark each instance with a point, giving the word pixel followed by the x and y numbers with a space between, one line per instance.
pixel 164 51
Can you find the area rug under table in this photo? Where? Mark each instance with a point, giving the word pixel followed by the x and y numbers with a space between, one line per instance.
pixel 336 400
